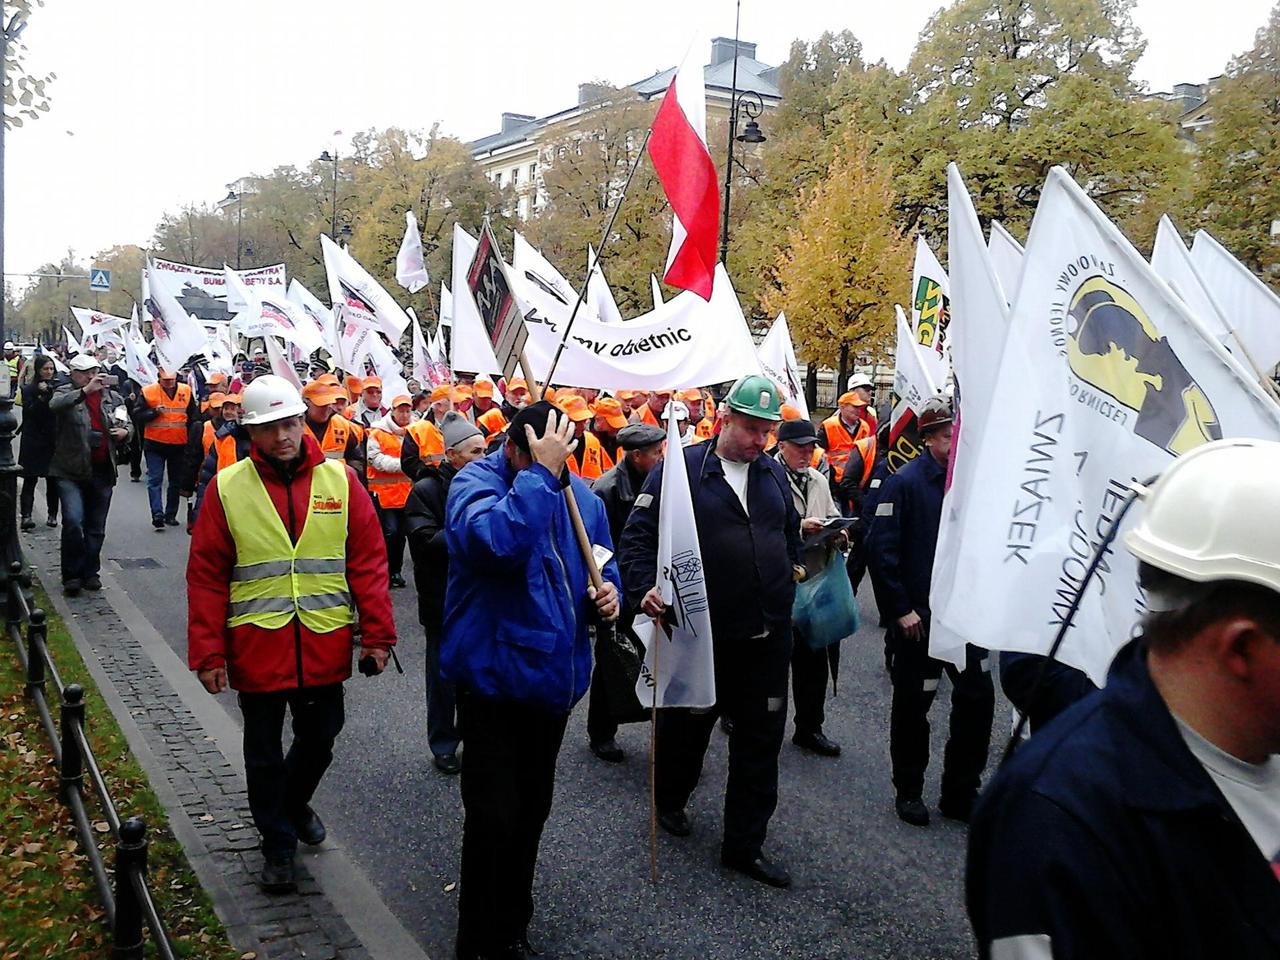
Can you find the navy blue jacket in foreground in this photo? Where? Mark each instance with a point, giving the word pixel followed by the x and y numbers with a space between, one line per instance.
pixel 747 561
pixel 1104 834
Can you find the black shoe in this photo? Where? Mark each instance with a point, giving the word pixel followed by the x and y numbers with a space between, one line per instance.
pixel 28 523
pixel 957 809
pixel 759 868
pixel 158 523
pixel 912 811
pixel 71 588
pixel 818 743
pixel 279 876
pixel 675 822
pixel 397 581
pixel 51 522
pixel 93 583
pixel 726 725
pixel 171 522
pixel 309 827
pixel 608 751
pixel 448 763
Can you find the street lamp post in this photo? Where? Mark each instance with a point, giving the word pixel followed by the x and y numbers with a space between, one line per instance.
pixel 238 197
pixel 751 104
pixel 333 226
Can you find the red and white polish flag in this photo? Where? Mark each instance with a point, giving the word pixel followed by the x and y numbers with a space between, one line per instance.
pixel 678 148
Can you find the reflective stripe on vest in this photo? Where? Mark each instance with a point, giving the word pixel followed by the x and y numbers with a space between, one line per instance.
pixel 429 439
pixel 171 425
pixel 274 579
pixel 391 489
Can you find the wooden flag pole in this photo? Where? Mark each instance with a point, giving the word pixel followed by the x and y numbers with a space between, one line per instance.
pixel 591 268
pixel 653 765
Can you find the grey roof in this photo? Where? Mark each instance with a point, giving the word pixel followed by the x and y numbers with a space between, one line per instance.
pixel 752 75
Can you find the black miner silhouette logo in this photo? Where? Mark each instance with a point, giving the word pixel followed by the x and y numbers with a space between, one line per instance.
pixel 1117 349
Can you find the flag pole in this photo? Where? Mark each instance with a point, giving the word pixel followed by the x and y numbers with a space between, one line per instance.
pixel 604 240
pixel 653 765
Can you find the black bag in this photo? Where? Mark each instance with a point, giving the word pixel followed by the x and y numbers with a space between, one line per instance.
pixel 618 658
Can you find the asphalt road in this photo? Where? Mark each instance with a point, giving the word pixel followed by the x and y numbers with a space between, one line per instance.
pixel 866 885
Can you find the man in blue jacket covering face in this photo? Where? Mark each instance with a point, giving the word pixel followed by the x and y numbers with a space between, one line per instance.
pixel 516 642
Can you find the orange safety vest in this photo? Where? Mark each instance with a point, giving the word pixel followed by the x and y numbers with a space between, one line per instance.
pixel 429 439
pixel 840 442
pixel 705 430
pixel 595 460
pixel 336 433
pixel 356 428
pixel 646 416
pixel 867 450
pixel 171 425
pixel 226 446
pixel 391 489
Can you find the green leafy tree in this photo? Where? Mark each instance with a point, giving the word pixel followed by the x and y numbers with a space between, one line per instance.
pixel 845 261
pixel 1238 177
pixel 26 95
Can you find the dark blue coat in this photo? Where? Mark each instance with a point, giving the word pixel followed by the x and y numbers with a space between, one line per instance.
pixel 903 536
pixel 1106 835
pixel 747 561
pixel 516 606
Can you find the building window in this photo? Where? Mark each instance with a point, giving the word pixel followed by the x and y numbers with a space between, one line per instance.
pixel 524 208
pixel 497 179
pixel 533 171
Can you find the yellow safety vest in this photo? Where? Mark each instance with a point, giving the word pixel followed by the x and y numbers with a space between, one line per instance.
pixel 274 579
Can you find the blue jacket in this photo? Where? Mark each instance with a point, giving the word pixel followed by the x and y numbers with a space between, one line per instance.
pixel 904 535
pixel 516 606
pixel 747 560
pixel 1106 835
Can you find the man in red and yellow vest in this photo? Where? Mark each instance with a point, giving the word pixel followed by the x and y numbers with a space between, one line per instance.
pixel 336 435
pixel 274 588
pixel 588 460
pixel 843 429
pixel 388 483
pixel 169 409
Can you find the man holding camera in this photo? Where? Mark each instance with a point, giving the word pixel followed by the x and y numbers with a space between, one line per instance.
pixel 273 587
pixel 91 426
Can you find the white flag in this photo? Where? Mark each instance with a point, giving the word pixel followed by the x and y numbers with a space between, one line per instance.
pixel 73 343
pixel 440 372
pixel 978 328
pixel 268 315
pixel 1106 376
pixel 931 311
pixel 93 323
pixel 1242 298
pixel 321 316
pixel 655 288
pixel 912 379
pixel 599 297
pixel 279 365
pixel 390 370
pixel 411 269
pixel 352 286
pixel 1006 258
pixel 140 366
pixel 423 367
pixel 778 361
pixel 446 302
pixel 684 674
pixel 1172 261
pixel 176 335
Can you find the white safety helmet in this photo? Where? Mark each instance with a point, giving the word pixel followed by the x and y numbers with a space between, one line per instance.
pixel 860 380
pixel 1211 515
pixel 675 408
pixel 270 398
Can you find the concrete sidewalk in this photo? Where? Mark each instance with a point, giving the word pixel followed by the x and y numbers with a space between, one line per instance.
pixel 190 749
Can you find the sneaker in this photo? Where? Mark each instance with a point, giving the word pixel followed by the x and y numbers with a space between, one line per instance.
pixel 93 583
pixel 158 523
pixel 913 811
pixel 279 876
pixel 71 588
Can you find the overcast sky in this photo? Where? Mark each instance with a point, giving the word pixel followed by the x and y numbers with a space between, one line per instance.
pixel 161 104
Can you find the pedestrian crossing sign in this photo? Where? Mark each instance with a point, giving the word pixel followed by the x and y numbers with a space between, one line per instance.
pixel 99 280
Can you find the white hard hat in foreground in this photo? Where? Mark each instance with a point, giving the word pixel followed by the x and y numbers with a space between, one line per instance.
pixel 1212 515
pixel 270 398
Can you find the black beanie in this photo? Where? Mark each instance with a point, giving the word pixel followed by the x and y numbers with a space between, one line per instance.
pixel 535 415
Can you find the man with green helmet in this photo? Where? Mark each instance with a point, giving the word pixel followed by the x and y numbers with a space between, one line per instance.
pixel 749 533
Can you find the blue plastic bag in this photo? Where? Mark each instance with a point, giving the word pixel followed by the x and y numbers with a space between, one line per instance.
pixel 825 610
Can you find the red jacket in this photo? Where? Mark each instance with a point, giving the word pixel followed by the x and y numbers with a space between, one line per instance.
pixel 293 656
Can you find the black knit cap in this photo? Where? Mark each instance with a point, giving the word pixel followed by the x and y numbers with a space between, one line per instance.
pixel 535 415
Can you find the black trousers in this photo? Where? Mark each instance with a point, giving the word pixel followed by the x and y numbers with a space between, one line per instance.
pixel 442 726
pixel 27 497
pixel 393 531
pixel 751 689
pixel 508 777
pixel 281 785
pixel 810 670
pixel 915 677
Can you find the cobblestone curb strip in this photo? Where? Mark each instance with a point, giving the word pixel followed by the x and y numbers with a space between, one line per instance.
pixel 202 792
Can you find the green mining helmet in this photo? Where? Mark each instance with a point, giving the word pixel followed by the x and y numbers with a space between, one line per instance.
pixel 756 396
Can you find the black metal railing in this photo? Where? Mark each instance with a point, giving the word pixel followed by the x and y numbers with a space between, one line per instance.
pixel 125 897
